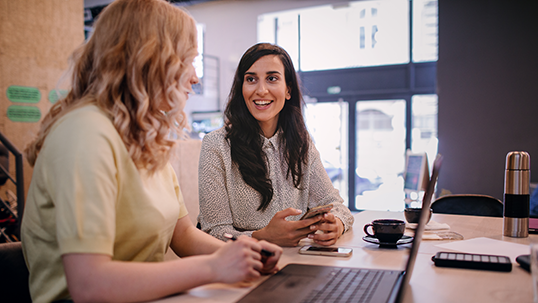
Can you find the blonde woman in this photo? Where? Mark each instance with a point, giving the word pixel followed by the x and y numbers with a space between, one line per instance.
pixel 104 205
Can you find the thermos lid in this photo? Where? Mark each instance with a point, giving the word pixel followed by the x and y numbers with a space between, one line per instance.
pixel 518 160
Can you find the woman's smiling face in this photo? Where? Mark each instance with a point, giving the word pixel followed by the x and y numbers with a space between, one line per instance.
pixel 265 92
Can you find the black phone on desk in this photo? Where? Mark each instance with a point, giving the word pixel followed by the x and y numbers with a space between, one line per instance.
pixel 524 261
pixel 472 261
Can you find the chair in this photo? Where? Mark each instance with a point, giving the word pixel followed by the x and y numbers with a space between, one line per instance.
pixel 468 204
pixel 13 274
pixel 13 233
pixel 185 163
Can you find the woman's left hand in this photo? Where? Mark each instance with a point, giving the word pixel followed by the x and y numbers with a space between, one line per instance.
pixel 270 262
pixel 332 228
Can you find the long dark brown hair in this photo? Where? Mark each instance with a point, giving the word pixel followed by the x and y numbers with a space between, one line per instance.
pixel 244 132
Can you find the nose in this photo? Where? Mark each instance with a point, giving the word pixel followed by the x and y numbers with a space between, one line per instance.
pixel 194 79
pixel 261 89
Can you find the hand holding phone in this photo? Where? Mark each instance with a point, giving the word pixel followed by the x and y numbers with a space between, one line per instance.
pixel 317 211
pixel 326 251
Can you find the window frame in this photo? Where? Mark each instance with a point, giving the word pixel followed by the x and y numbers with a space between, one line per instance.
pixel 368 83
pixel 386 82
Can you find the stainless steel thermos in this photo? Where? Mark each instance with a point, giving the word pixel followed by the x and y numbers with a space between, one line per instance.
pixel 516 194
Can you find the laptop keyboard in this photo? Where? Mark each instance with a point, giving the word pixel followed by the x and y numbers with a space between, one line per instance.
pixel 347 285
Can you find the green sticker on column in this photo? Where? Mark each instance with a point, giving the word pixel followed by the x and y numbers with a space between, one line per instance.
pixel 23 94
pixel 17 113
pixel 56 95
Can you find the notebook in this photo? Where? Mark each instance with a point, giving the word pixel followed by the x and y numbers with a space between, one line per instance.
pixel 317 283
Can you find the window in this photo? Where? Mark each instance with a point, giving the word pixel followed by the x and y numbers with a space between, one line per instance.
pixel 369 67
pixel 379 150
pixel 331 138
pixel 198 61
pixel 425 35
pixel 373 119
pixel 359 33
pixel 424 132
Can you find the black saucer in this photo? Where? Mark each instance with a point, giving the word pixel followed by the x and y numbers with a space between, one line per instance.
pixel 404 240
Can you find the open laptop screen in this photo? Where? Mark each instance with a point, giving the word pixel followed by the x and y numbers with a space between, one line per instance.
pixel 426 202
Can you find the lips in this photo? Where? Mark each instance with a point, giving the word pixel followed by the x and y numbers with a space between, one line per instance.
pixel 262 102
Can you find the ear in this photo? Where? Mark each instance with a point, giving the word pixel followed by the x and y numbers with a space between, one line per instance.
pixel 288 94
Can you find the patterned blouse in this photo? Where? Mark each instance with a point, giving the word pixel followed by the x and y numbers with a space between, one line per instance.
pixel 229 205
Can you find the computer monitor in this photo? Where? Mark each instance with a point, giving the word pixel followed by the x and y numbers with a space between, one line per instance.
pixel 416 173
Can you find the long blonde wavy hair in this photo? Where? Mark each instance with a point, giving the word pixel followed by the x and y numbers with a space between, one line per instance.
pixel 132 68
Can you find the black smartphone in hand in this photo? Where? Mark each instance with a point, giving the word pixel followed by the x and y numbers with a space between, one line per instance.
pixel 318 210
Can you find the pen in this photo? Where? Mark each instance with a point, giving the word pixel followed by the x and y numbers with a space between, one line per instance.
pixel 264 252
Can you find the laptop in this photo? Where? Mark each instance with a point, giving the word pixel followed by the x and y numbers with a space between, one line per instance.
pixel 317 283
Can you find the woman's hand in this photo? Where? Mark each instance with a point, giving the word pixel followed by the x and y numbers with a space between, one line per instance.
pixel 237 261
pixel 269 263
pixel 98 278
pixel 332 228
pixel 286 233
pixel 241 260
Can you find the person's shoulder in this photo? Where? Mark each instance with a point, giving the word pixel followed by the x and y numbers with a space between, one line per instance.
pixel 313 153
pixel 216 136
pixel 85 122
pixel 311 145
pixel 83 133
pixel 215 142
pixel 85 116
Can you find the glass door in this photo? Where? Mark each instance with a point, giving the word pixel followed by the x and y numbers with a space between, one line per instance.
pixel 380 154
pixel 327 123
pixel 379 131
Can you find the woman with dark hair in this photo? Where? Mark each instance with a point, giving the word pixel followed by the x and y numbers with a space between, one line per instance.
pixel 260 172
pixel 104 204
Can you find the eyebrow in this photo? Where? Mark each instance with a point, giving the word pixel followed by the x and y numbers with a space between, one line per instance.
pixel 268 73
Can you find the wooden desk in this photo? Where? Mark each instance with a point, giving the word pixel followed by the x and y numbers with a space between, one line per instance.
pixel 428 283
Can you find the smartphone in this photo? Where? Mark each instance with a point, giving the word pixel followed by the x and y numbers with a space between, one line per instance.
pixel 524 261
pixel 326 251
pixel 317 211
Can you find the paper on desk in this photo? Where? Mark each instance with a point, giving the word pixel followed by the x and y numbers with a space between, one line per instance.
pixel 434 231
pixel 487 246
pixel 431 236
pixel 441 235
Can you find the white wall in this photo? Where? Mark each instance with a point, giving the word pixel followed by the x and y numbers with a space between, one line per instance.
pixel 230 29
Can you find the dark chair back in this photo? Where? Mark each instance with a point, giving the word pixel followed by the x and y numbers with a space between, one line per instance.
pixel 4 162
pixel 469 204
pixel 13 274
